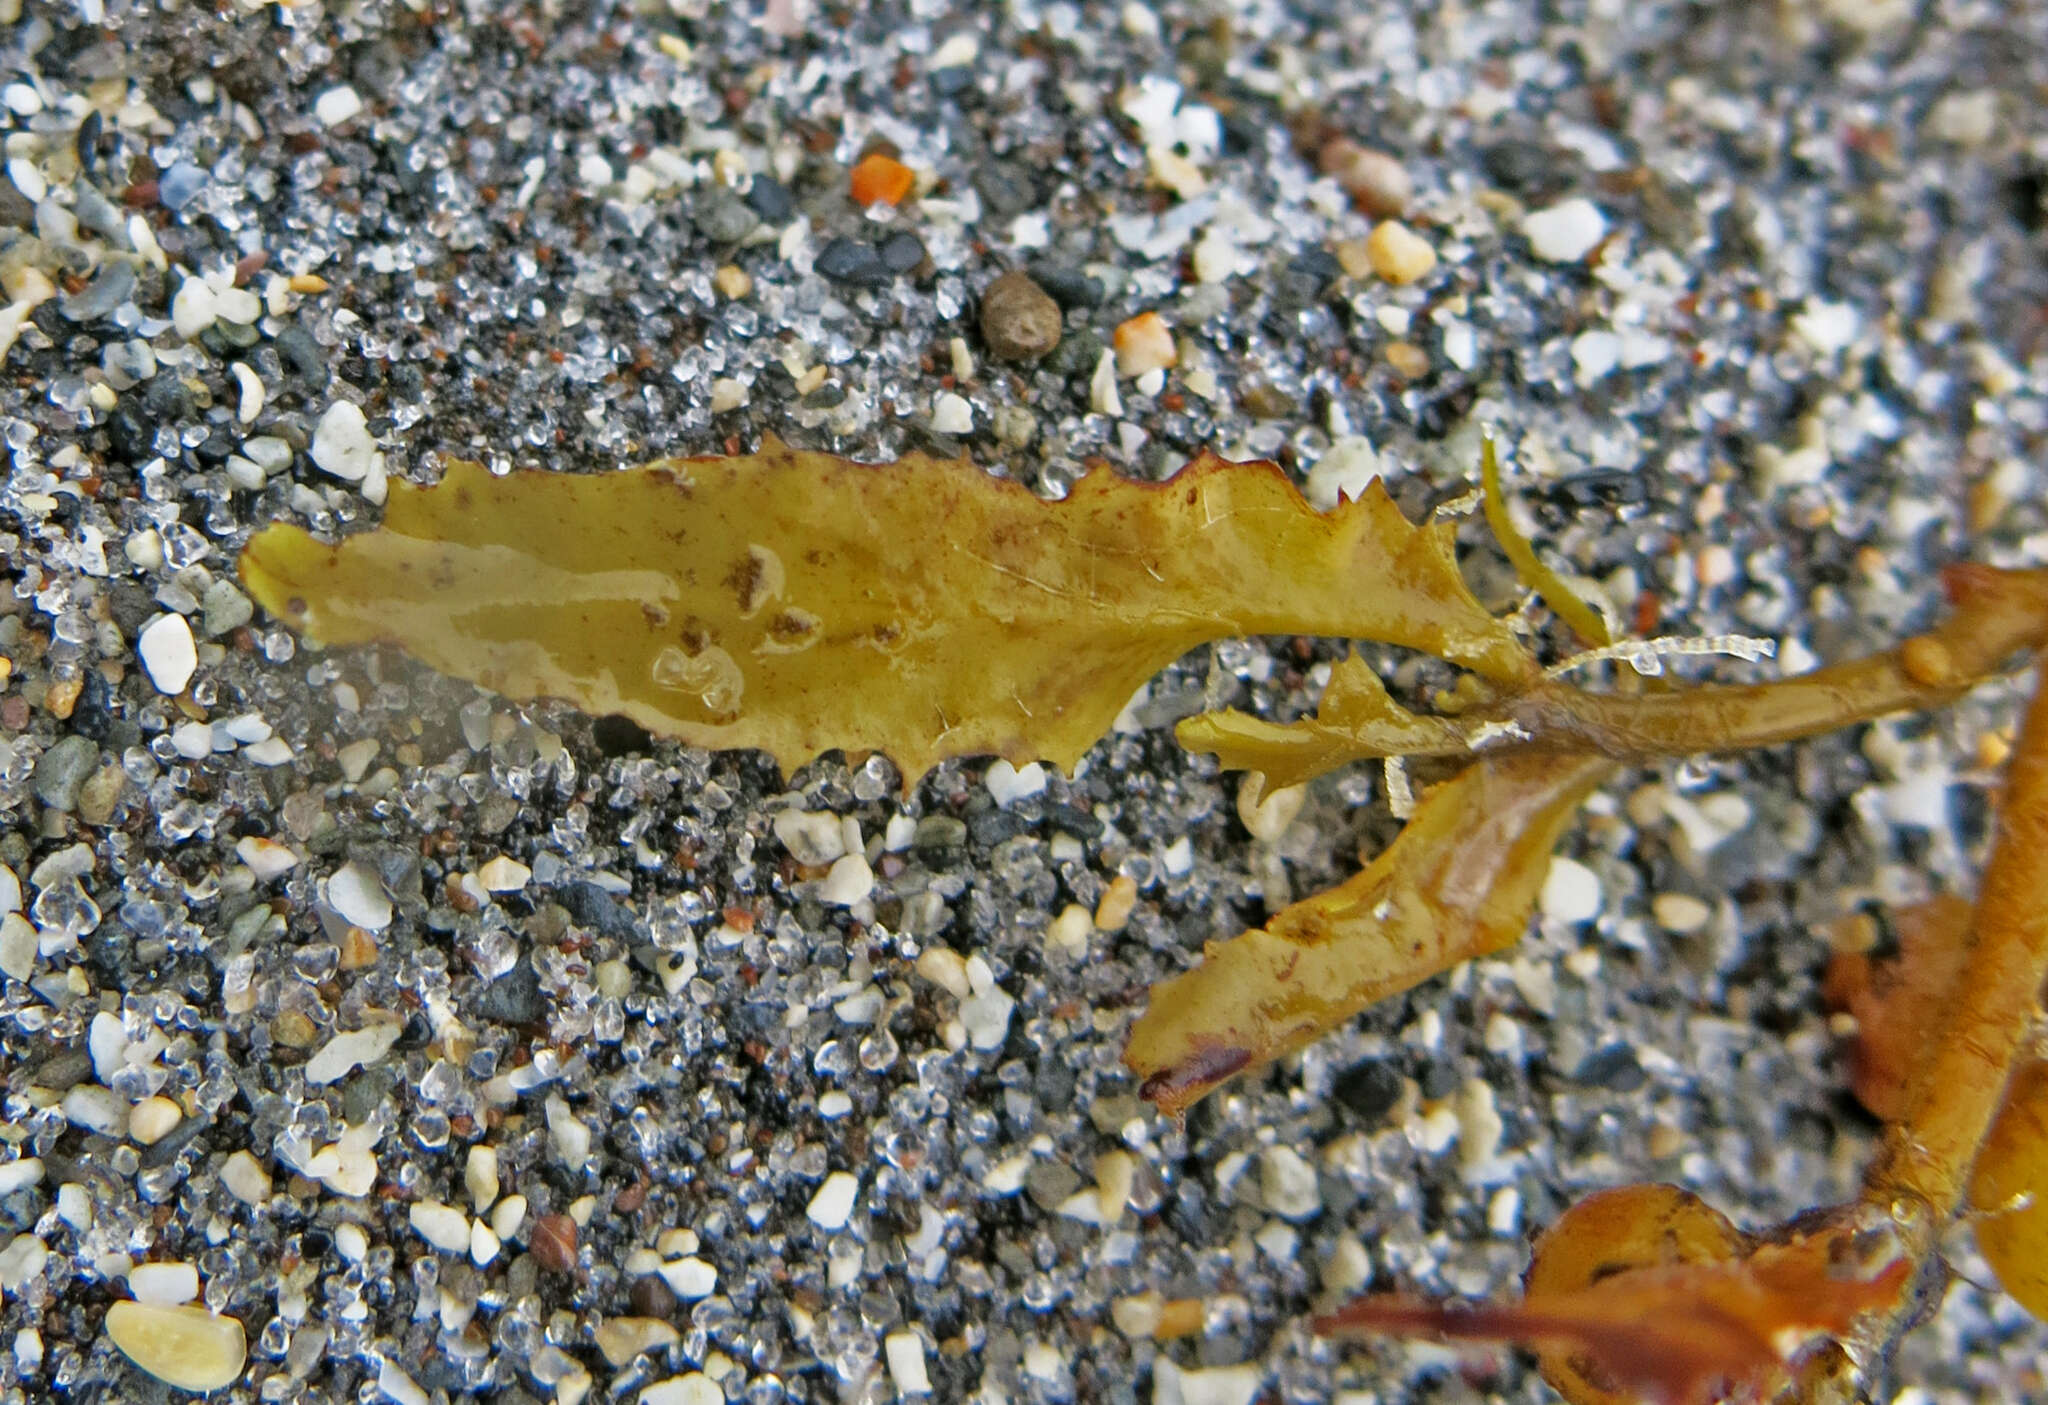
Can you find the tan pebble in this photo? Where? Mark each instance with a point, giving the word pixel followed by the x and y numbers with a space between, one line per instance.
pixel 153 1119
pixel 186 1347
pixel 1019 320
pixel 62 696
pixel 100 794
pixel 1115 1173
pixel 945 968
pixel 1853 935
pixel 1353 257
pixel 1399 254
pixel 308 283
pixel 1714 566
pixel 1407 360
pixel 293 1030
pixel 1926 661
pixel 1992 749
pixel 1986 503
pixel 1376 182
pixel 623 1338
pixel 1681 914
pixel 1114 910
pixel 1137 1315
pixel 732 281
pixel 1263 400
pixel 1266 816
pixel 810 380
pixel 358 950
pixel 1666 1141
pixel 1180 1317
pixel 1144 343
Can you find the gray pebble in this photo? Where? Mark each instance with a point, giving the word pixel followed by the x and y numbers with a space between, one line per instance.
pixel 176 187
pixel 62 769
pixel 225 609
pixel 723 217
pixel 113 285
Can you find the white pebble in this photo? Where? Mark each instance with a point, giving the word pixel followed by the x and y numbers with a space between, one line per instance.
pixel 693 1389
pixel 106 1040
pixel 246 1179
pixel 480 1177
pixel 20 1175
pixel 186 1347
pixel 1102 392
pixel 1830 328
pixel 503 875
pixel 1571 892
pixel 690 1278
pixel 813 837
pixel 727 394
pixel 1594 355
pixel 337 105
pixel 266 858
pixel 849 880
pixel 193 308
pixel 951 414
pixel 22 1261
pixel 20 944
pixel 357 895
pixel 1287 1182
pixel 1008 783
pixel 508 1215
pixel 342 445
pixel 1343 472
pixel 164 1284
pixel 250 403
pixel 986 1016
pixel 345 1053
pixel 905 1353
pixel 1216 1385
pixel 400 1388
pixel 833 1204
pixel 10 891
pixel 1566 232
pixel 153 1119
pixel 443 1226
pixel 569 1133
pixel 169 654
pixel 237 305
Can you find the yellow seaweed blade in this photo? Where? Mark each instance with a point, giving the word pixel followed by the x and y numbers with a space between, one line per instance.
pixel 1356 720
pixel 1457 882
pixel 798 602
pixel 2009 1189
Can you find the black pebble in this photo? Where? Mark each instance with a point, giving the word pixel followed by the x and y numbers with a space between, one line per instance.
pixel 214 449
pixel 1369 1089
pixel 513 998
pixel 1523 167
pixel 1071 819
pixel 1614 1068
pixel 770 199
pixel 619 735
pixel 1069 286
pixel 130 434
pixel 847 260
pixel 591 906
pixel 902 251
pixel 1006 189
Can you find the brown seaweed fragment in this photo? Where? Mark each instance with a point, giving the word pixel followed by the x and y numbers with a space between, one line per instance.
pixel 797 602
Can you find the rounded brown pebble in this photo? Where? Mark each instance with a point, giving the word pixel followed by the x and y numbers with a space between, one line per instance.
pixel 1019 319
pixel 553 1243
pixel 1376 182
pixel 650 1297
